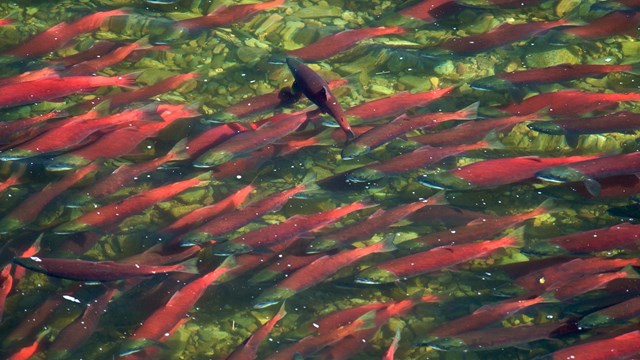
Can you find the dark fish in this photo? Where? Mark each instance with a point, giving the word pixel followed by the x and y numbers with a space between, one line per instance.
pixel 316 89
pixel 621 121
pixel 626 346
pixel 226 15
pixel 431 10
pixel 612 315
pixel 614 23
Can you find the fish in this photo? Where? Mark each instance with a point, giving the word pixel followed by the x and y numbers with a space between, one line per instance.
pixel 401 125
pixel 226 15
pixel 282 267
pixel 73 134
pixel 489 314
pixel 44 73
pixel 97 49
pixel 625 346
pixel 610 187
pixel 590 169
pixel 548 75
pixel 395 104
pixel 248 141
pixel 250 348
pixel 166 317
pixel 611 24
pixel 471 131
pixel 331 45
pixel 496 172
pixel 90 67
pixel 506 4
pixel 84 270
pixel 568 103
pixel 314 343
pixel 27 352
pixel 14 178
pixel 621 121
pixel 293 227
pixel 365 229
pixel 61 34
pixel 420 158
pixel 29 209
pixel 11 131
pixel 316 89
pixel 594 282
pixel 616 314
pixel 77 332
pixel 318 271
pixel 389 355
pixel 431 10
pixel 6 284
pixel 502 35
pixel 233 220
pixel 102 217
pixel 202 214
pixel 499 338
pixel 620 236
pixel 420 263
pixel 30 92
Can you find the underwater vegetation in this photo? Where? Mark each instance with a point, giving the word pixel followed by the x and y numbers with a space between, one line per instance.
pixel 319 179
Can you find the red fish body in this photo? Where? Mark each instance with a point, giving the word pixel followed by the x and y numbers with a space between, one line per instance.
pixel 337 43
pixel 379 135
pixel 294 227
pixel 502 35
pixel 283 266
pixel 614 23
pixel 83 270
pixel 318 271
pixel 430 10
pixel 568 102
pixel 395 104
pixel 496 172
pixel 585 284
pixel 30 92
pixel 96 50
pixel 431 260
pixel 110 214
pixel 44 73
pixel 6 283
pixel 13 130
pixel 59 35
pixel 114 57
pixel 621 236
pixel 226 15
pixel 249 350
pixel 626 346
pixel 614 122
pixel 389 355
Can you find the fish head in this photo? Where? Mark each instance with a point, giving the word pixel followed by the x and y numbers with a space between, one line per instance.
pixel 212 158
pixel 273 296
pixel 71 227
pixel 31 263
pixel 78 200
pixel 17 154
pixel 547 127
pixel 67 162
pixel 194 238
pixel 444 344
pixel 230 248
pixel 595 320
pixel 561 174
pixel 364 175
pixel 445 181
pixel 491 83
pixel 321 245
pixel 373 276
pixel 354 150
pixel 9 224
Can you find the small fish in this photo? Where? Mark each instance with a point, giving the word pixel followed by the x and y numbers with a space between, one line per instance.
pixel 318 271
pixel 565 103
pixel 344 40
pixel 293 227
pixel 250 348
pixel 162 320
pixel 611 24
pixel 6 284
pixel 496 172
pixel 110 214
pixel 83 270
pixel 395 104
pixel 625 346
pixel 401 125
pixel 27 352
pixel 389 355
pixel 226 15
pixel 616 314
pixel 502 35
pixel 29 209
pixel 60 35
pixel 489 314
pixel 548 75
pixel 30 92
pixel 590 169
pixel 431 10
pixel 316 89
pixel 435 259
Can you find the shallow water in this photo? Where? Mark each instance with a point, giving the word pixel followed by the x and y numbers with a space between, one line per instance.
pixel 240 61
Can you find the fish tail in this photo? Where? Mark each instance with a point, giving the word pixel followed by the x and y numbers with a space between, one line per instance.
pixel 515 238
pixel 364 322
pixel 190 266
pixel 492 141
pixel 631 272
pixel 548 297
pixel 470 112
pixel 387 244
pixel 179 151
pixel 128 80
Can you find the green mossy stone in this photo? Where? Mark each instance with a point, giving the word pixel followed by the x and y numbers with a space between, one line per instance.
pixel 551 58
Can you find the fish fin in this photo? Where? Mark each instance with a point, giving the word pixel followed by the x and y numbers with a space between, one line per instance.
pixel 518 236
pixel 572 140
pixel 133 346
pixel 631 272
pixel 206 178
pixel 230 263
pixel 592 186
pixel 470 112
pixel 366 321
pixel 492 141
pixel 477 221
pixel 190 266
pixel 282 311
pixel 438 198
pixel 324 92
pixel 378 213
pixel 545 207
pixel 179 150
pixel 549 297
pixel 129 80
pixel 387 243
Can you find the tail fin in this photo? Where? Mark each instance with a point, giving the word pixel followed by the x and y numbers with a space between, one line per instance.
pixel 470 112
pixel 179 151
pixel 387 243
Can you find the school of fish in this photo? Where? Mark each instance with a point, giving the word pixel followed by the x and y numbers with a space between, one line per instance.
pixel 320 180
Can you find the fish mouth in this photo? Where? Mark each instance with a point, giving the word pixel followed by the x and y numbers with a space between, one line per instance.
pixel 362 280
pixel 444 181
